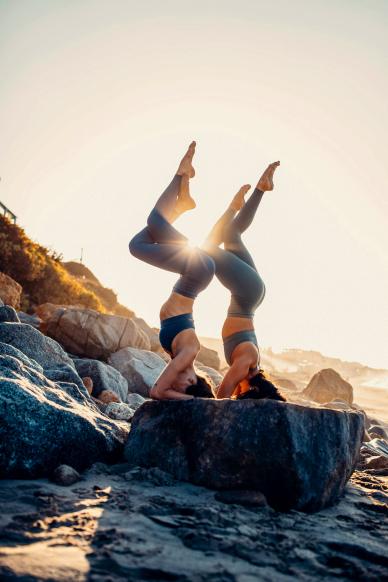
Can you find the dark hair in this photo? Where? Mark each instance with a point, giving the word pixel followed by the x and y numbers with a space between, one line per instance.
pixel 261 387
pixel 202 389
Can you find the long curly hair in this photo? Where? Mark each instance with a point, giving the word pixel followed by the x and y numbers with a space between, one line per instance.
pixel 261 387
pixel 203 388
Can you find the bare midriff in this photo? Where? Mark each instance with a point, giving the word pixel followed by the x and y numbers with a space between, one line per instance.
pixel 176 304
pixel 235 324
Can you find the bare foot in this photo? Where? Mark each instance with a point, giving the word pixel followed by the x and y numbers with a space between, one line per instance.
pixel 238 200
pixel 266 181
pixel 186 165
pixel 185 201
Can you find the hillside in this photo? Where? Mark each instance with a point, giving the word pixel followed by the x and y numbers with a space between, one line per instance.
pixel 46 279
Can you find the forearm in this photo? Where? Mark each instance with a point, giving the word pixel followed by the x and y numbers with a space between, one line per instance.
pixel 225 390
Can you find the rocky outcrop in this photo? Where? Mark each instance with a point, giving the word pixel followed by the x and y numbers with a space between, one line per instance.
pixel 56 364
pixel 104 377
pixel 298 457
pixel 209 357
pixel 10 291
pixel 87 333
pixel 327 385
pixel 44 424
pixel 139 367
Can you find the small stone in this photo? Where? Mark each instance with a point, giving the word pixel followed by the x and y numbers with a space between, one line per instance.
pixel 247 498
pixel 65 475
pixel 119 411
pixel 377 462
pixel 377 432
pixel 135 401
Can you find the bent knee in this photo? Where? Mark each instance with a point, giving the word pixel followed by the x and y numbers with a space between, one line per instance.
pixel 208 267
pixel 134 245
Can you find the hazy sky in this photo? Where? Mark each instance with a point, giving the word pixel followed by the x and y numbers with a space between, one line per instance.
pixel 99 99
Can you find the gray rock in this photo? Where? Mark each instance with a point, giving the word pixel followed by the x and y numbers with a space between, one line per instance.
pixel 209 357
pixel 33 320
pixel 44 424
pixel 87 333
pixel 298 457
pixel 376 447
pixel 139 367
pixel 376 431
pixel 8 315
pixel 1 302
pixel 119 411
pixel 327 385
pixel 56 364
pixel 104 377
pixel 47 352
pixel 151 333
pixel 65 475
pixel 214 376
pixel 135 400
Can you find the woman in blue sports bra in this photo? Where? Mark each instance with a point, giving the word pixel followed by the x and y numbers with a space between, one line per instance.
pixel 161 245
pixel 236 270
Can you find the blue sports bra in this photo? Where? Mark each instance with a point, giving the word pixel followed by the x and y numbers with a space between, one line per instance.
pixel 170 327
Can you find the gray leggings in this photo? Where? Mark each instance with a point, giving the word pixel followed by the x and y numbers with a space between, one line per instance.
pixel 161 245
pixel 235 267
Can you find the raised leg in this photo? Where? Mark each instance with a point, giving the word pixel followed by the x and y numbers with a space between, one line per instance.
pixel 216 235
pixel 176 198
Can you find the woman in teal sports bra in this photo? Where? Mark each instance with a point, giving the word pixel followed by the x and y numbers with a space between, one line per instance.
pixel 161 245
pixel 236 270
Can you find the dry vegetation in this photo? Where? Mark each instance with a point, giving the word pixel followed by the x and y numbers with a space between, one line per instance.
pixel 40 272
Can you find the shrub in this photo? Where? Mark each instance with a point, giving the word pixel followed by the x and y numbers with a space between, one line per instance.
pixel 40 272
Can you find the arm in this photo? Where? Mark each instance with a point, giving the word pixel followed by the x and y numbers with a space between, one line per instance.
pixel 162 388
pixel 236 373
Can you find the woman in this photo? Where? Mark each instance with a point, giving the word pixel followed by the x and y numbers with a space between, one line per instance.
pixel 161 245
pixel 237 272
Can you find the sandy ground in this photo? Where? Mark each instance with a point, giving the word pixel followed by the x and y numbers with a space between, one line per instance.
pixel 121 524
pixel 374 401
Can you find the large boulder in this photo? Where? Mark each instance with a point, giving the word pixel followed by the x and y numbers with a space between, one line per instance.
pixel 151 333
pixel 139 367
pixel 44 424
pixel 55 362
pixel 44 350
pixel 327 385
pixel 214 376
pixel 209 357
pixel 104 377
pixel 10 291
pixel 45 310
pixel 298 457
pixel 88 333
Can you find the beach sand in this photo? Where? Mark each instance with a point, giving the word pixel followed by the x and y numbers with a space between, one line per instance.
pixel 121 524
